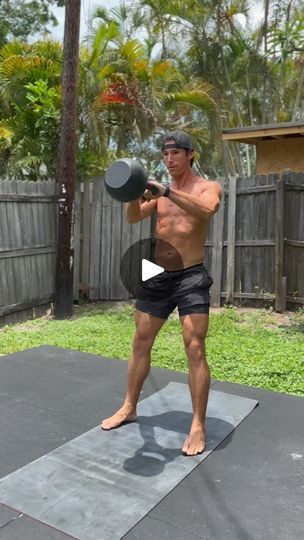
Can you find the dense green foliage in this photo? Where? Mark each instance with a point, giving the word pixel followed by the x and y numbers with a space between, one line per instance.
pixel 30 99
pixel 242 347
pixel 123 97
pixel 145 68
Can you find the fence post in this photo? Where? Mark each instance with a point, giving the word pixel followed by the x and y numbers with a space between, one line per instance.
pixel 96 237
pixel 280 287
pixel 76 241
pixel 217 251
pixel 231 239
pixel 86 231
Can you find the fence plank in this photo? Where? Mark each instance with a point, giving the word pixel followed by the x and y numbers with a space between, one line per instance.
pixel 21 270
pixel 126 243
pixel 231 239
pixel 116 231
pixel 96 235
pixel 217 252
pixel 105 252
pixel 280 301
pixel 294 235
pixel 85 273
pixel 32 265
pixel 76 241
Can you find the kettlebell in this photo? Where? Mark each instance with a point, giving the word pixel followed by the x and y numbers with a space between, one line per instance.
pixel 126 180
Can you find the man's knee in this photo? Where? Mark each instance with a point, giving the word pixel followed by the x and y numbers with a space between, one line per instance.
pixel 143 340
pixel 195 348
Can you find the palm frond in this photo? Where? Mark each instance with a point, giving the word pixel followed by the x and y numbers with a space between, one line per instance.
pixel 6 135
pixel 104 35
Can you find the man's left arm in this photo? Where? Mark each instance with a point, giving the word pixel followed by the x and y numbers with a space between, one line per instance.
pixel 204 205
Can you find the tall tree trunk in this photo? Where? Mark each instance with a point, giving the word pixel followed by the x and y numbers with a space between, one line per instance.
pixel 229 166
pixel 278 93
pixel 280 88
pixel 63 306
pixel 299 97
pixel 265 33
pixel 233 97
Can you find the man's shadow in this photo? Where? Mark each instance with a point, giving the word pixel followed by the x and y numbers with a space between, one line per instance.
pixel 151 459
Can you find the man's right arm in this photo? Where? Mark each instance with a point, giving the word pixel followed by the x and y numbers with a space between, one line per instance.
pixel 136 210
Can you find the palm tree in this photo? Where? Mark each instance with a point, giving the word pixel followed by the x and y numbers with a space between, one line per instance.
pixel 137 95
pixel 286 41
pixel 256 74
pixel 126 96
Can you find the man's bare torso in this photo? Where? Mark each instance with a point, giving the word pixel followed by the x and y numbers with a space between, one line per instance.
pixel 186 233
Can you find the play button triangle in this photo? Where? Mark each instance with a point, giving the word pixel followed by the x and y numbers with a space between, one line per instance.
pixel 149 269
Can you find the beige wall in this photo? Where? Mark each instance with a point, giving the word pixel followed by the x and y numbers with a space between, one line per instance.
pixel 279 155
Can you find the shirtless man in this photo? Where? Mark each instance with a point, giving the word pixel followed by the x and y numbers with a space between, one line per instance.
pixel 183 213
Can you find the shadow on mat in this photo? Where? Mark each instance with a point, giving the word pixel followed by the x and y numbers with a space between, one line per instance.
pixel 152 458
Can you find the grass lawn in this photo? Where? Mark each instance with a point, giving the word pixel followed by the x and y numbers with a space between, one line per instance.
pixel 253 347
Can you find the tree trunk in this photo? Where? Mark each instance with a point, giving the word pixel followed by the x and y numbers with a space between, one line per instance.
pixel 297 104
pixel 63 306
pixel 265 32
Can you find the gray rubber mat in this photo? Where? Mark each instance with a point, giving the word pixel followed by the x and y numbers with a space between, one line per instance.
pixel 99 485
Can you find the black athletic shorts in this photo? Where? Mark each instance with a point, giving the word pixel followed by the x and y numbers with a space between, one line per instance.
pixel 186 289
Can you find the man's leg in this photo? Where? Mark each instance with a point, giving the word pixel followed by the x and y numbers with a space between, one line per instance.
pixel 147 328
pixel 195 328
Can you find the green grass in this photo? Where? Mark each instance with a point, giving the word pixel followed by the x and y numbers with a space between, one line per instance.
pixel 248 347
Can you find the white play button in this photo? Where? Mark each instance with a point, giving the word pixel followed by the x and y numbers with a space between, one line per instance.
pixel 135 271
pixel 149 269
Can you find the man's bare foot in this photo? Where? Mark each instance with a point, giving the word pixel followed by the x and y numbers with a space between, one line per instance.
pixel 195 443
pixel 120 417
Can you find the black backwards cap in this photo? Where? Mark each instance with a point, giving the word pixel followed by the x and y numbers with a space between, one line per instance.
pixel 178 139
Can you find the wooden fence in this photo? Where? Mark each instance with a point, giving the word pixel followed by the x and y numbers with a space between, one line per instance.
pixel 254 250
pixel 256 242
pixel 101 237
pixel 27 246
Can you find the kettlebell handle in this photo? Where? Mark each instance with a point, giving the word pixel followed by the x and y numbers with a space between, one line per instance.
pixel 151 187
